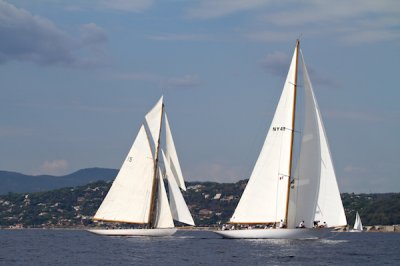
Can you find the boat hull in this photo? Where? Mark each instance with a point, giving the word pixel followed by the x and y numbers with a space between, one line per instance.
pixel 135 232
pixel 297 233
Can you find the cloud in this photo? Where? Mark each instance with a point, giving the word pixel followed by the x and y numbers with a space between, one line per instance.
pixel 30 38
pixel 354 22
pixel 276 64
pixel 188 81
pixel 127 5
pixel 55 167
pixel 179 37
pixel 184 82
pixel 207 9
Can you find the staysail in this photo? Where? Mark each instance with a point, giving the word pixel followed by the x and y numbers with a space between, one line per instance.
pixel 164 216
pixel 265 197
pixel 128 199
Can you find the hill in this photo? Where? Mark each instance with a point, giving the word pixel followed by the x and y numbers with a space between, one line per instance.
pixel 210 204
pixel 16 182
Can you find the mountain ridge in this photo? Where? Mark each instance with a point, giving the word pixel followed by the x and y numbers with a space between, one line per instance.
pixel 21 183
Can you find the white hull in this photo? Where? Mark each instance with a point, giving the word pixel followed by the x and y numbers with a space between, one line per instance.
pixel 297 233
pixel 355 231
pixel 135 232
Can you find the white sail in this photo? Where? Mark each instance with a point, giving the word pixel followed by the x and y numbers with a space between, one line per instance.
pixel 164 216
pixel 264 199
pixel 329 207
pixel 179 209
pixel 153 120
pixel 357 224
pixel 306 180
pixel 128 199
pixel 172 156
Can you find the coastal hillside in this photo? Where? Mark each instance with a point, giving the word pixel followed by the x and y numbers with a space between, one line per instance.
pixel 20 183
pixel 210 204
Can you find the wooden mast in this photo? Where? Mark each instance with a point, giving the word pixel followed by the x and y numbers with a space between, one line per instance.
pixel 292 129
pixel 154 190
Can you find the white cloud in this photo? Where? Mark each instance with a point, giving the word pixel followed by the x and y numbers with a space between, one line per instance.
pixel 206 9
pixel 127 5
pixel 179 37
pixel 55 167
pixel 188 81
pixel 183 82
pixel 30 38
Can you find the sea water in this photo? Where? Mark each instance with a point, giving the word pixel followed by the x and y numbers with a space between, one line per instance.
pixel 79 247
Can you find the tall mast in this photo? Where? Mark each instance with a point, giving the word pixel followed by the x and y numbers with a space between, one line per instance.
pixel 292 129
pixel 154 190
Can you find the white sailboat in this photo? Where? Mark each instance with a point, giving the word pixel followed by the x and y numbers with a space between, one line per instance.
pixel 274 194
pixel 358 227
pixel 138 194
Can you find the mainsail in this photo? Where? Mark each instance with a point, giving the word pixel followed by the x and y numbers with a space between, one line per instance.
pixel 131 187
pixel 138 194
pixel 265 197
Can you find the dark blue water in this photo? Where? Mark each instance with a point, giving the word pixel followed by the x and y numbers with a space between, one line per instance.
pixel 75 247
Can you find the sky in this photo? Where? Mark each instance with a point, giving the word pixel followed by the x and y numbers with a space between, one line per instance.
pixel 77 78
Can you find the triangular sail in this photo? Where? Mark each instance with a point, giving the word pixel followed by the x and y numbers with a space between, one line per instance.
pixel 153 120
pixel 179 209
pixel 305 185
pixel 128 199
pixel 172 156
pixel 164 216
pixel 357 224
pixel 264 199
pixel 329 207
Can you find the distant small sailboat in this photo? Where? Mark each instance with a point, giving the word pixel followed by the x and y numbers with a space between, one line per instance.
pixel 138 194
pixel 358 227
pixel 276 196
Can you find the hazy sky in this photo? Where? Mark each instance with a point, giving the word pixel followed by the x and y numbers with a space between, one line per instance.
pixel 77 78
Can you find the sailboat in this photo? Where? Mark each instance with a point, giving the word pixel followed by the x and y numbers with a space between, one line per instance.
pixel 278 199
pixel 358 227
pixel 138 194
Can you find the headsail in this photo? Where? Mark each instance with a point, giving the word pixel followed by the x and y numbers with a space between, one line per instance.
pixel 264 199
pixel 329 207
pixel 128 199
pixel 172 156
pixel 305 185
pixel 179 209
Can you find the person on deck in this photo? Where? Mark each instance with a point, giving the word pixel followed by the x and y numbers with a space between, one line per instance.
pixel 302 225
pixel 281 224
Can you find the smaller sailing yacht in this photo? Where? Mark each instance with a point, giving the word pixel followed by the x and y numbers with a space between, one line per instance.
pixel 358 227
pixel 284 197
pixel 138 194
